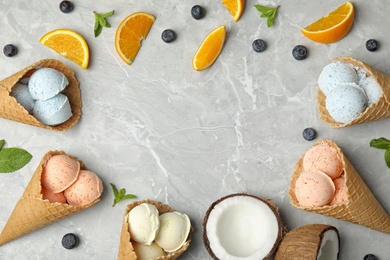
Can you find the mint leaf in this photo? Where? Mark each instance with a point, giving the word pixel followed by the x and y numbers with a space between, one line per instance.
pixel 2 142
pixel 387 157
pixel 120 195
pixel 268 12
pixel 380 143
pixel 100 22
pixel 13 159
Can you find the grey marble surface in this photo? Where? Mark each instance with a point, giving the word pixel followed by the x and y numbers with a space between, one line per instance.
pixel 168 133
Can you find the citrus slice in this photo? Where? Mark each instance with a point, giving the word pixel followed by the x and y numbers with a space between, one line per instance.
pixel 333 26
pixel 131 31
pixel 235 7
pixel 210 49
pixel 69 44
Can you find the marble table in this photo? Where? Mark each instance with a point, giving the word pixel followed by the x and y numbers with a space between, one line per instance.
pixel 168 133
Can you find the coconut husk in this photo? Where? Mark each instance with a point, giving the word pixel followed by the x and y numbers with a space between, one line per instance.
pixel 362 207
pixel 377 111
pixel 32 211
pixel 11 109
pixel 126 249
pixel 303 243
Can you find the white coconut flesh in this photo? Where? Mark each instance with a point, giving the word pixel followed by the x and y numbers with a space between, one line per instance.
pixel 242 227
pixel 329 247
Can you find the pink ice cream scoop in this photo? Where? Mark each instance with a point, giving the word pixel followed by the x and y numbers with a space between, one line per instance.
pixel 323 158
pixel 53 197
pixel 314 189
pixel 86 189
pixel 60 172
pixel 341 195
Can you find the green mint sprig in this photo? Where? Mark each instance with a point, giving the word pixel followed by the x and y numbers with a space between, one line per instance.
pixel 268 12
pixel 12 159
pixel 382 143
pixel 120 195
pixel 101 21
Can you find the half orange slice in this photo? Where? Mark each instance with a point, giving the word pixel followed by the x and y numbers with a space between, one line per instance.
pixel 235 7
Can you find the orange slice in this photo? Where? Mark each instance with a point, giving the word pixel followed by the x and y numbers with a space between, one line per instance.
pixel 333 26
pixel 235 7
pixel 131 31
pixel 69 44
pixel 210 49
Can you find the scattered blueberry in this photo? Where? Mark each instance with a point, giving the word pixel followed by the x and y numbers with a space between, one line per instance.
pixel 66 6
pixel 168 36
pixel 299 52
pixel 259 45
pixel 70 241
pixel 197 12
pixel 369 257
pixel 372 45
pixel 10 50
pixel 309 134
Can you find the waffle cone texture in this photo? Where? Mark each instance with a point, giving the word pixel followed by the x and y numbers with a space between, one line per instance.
pixel 362 207
pixel 32 212
pixel 377 111
pixel 11 109
pixel 126 249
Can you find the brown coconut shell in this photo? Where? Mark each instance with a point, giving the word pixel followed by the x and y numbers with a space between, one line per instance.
pixel 270 204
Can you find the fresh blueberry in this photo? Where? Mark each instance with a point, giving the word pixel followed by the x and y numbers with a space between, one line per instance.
pixel 259 45
pixel 66 6
pixel 70 241
pixel 309 134
pixel 299 52
pixel 168 36
pixel 10 50
pixel 369 257
pixel 372 45
pixel 197 12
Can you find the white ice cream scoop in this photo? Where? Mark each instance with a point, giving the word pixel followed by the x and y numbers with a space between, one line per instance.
pixel 334 74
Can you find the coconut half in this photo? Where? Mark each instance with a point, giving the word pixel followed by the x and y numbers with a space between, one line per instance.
pixel 314 241
pixel 242 226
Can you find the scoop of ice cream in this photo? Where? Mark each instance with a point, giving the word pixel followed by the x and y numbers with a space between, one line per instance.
pixel 324 158
pixel 59 173
pixel 53 197
pixel 334 74
pixel 174 230
pixel 314 189
pixel 371 88
pixel 143 223
pixel 346 103
pixel 53 111
pixel 45 83
pixel 146 252
pixel 340 196
pixel 22 95
pixel 85 190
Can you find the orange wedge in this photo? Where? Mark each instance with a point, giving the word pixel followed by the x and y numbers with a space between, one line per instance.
pixel 235 7
pixel 210 49
pixel 69 44
pixel 131 31
pixel 333 26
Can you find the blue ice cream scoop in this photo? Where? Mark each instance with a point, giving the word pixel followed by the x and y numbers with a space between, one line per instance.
pixel 45 83
pixel 53 111
pixel 21 93
pixel 346 102
pixel 334 74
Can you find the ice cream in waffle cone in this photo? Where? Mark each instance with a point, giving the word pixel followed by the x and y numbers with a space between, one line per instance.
pixel 361 206
pixel 11 109
pixel 379 110
pixel 126 248
pixel 32 211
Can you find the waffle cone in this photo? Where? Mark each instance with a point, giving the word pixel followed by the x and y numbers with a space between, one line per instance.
pixel 377 111
pixel 126 249
pixel 11 109
pixel 362 207
pixel 32 212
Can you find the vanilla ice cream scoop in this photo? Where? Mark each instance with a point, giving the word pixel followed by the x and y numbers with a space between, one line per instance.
pixel 147 252
pixel 335 74
pixel 45 83
pixel 144 223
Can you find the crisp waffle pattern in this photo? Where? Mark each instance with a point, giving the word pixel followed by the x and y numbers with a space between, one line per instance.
pixel 362 207
pixel 377 111
pixel 11 109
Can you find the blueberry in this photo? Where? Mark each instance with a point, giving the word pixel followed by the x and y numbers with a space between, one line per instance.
pixel 299 52
pixel 70 241
pixel 197 12
pixel 369 257
pixel 10 50
pixel 309 134
pixel 168 36
pixel 259 45
pixel 372 45
pixel 66 6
